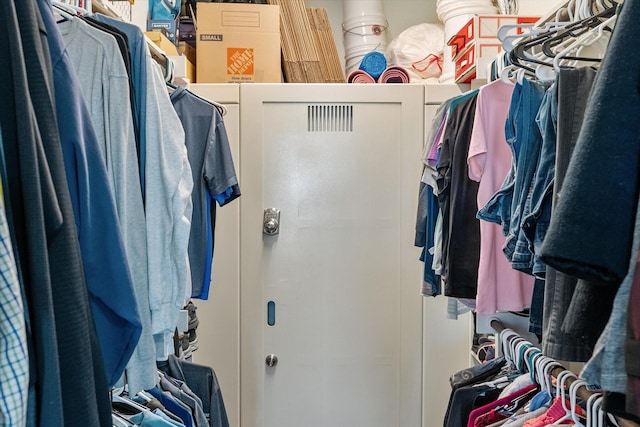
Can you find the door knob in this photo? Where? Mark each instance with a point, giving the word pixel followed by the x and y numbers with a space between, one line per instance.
pixel 271 360
pixel 271 221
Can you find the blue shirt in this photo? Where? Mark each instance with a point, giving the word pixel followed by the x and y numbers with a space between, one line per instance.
pixel 108 278
pixel 138 51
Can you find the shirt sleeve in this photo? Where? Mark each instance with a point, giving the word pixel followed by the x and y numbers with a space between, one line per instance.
pixel 478 146
pixel 219 170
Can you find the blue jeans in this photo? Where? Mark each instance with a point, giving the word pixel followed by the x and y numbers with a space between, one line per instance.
pixel 525 133
pixel 536 223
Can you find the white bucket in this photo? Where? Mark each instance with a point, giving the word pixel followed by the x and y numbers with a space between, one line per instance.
pixel 354 8
pixel 365 30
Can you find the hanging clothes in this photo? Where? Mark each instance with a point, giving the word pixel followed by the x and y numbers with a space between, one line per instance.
pixel 14 356
pixel 52 267
pixel 214 179
pixel 500 287
pixel 138 52
pixel 104 83
pixel 109 281
pixel 573 92
pixel 457 199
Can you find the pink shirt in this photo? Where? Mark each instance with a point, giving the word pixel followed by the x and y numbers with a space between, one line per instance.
pixel 500 287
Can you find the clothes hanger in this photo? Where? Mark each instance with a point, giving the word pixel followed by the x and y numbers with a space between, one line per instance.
pixel 507 75
pixel 590 403
pixel 504 342
pixel 573 398
pixel 546 41
pixel 546 368
pixel 561 391
pixel 118 398
pixel 600 414
pixel 528 353
pixel 575 30
pixel 62 11
pixel 521 349
pixel 222 109
pixel 600 36
pixel 533 363
pixel 72 9
pixel 512 348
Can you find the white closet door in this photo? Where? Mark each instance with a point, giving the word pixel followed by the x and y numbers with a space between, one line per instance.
pixel 341 163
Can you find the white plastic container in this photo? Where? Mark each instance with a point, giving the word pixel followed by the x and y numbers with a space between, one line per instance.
pixel 364 29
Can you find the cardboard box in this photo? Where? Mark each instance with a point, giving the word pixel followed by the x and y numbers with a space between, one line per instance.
pixel 166 26
pixel 162 42
pixel 238 42
pixel 466 65
pixel 485 28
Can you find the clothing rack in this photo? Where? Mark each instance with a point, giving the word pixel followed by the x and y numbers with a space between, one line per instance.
pixel 582 392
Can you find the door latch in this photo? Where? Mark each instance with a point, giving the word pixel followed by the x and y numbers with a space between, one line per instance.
pixel 271 360
pixel 271 221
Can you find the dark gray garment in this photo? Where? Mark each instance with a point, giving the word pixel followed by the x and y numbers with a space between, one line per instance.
pixel 204 383
pixel 457 195
pixel 27 185
pixel 188 398
pixel 591 231
pixel 85 392
pixel 63 393
pixel 574 86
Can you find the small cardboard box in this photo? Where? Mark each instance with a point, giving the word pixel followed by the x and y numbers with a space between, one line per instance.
pixel 167 26
pixel 162 42
pixel 238 42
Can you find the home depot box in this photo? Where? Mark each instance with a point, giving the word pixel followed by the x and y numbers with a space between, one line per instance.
pixel 238 42
pixel 485 28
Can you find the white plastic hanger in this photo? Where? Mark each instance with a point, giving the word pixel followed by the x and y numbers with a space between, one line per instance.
pixel 542 376
pixel 520 354
pixel 527 359
pixel 513 345
pixel 573 398
pixel 598 38
pixel 545 367
pixel 600 416
pixel 561 390
pixel 503 338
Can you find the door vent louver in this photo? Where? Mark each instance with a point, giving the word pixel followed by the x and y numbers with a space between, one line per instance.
pixel 330 118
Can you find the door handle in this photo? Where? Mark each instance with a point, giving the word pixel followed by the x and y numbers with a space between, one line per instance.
pixel 271 221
